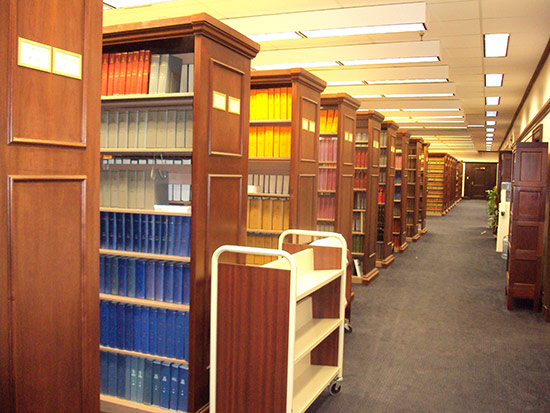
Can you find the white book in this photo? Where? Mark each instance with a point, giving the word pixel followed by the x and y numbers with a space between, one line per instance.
pixel 122 189
pixel 104 131
pixel 186 193
pixel 189 128
pixel 180 129
pixel 151 138
pixel 132 189
pixel 162 123
pixel 280 184
pixel 112 140
pixel 142 128
pixel 286 184
pixel 140 189
pixel 169 74
pixel 132 129
pixel 114 189
pixel 171 129
pixel 122 129
pixel 154 74
pixel 191 72
pixel 184 82
pixel 272 184
pixel 177 192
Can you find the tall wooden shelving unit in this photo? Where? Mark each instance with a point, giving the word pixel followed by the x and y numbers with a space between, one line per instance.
pixel 217 171
pixel 400 196
pixel 367 155
pixel 413 188
pixel 301 167
pixel 386 191
pixel 436 184
pixel 504 170
pixel 423 193
pixel 459 177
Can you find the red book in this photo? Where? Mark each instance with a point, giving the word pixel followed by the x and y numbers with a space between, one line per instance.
pixel 146 66
pixel 135 67
pixel 130 75
pixel 116 87
pixel 104 74
pixel 139 80
pixel 111 76
pixel 123 72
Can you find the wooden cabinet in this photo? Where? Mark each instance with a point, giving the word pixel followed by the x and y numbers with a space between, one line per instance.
pixel 444 183
pixel 400 194
pixel 413 188
pixel 213 162
pixel 528 202
pixel 423 193
pixel 505 159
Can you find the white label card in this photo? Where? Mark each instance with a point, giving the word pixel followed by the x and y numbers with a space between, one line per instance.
pixel 311 126
pixel 34 55
pixel 67 63
pixel 234 105
pixel 305 124
pixel 219 101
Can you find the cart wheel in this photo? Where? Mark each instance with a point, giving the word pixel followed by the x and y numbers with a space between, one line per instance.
pixel 335 388
pixel 348 328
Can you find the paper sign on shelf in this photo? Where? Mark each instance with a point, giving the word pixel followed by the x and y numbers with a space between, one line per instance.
pixel 219 101
pixel 67 63
pixel 305 124
pixel 234 105
pixel 312 126
pixel 34 55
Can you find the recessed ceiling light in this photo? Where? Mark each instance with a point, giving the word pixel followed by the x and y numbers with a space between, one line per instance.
pixel 418 95
pixel 390 60
pixel 268 37
pixel 493 79
pixel 491 113
pixel 492 100
pixel 354 31
pixel 489 129
pixel 496 45
pixel 475 126
pixel 489 135
pixel 490 122
pixel 292 65
pixel 404 81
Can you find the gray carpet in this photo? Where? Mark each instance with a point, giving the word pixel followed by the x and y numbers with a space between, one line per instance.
pixel 432 333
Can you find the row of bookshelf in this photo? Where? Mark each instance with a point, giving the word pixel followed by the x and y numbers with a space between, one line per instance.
pixel 133 189
pixel 271 103
pixel 268 213
pixel 326 207
pixel 269 184
pixel 328 122
pixel 361 159
pixel 269 141
pixel 328 150
pixel 327 179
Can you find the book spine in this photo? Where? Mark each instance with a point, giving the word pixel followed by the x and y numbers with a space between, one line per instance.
pixel 104 74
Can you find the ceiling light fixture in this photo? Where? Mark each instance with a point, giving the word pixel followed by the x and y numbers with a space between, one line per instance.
pixel 418 95
pixel 431 110
pixel 490 122
pixel 367 97
pixel 293 65
pixel 492 100
pixel 390 60
pixel 475 126
pixel 491 113
pixel 496 45
pixel 404 81
pixel 489 129
pixel 346 83
pixel 493 79
pixel 269 37
pixel 489 135
pixel 354 31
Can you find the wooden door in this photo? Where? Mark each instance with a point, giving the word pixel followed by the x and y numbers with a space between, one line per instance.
pixel 480 177
pixel 49 213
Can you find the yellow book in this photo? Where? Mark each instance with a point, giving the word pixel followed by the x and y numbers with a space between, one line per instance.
pixel 276 141
pixel 255 213
pixel 271 103
pixel 334 128
pixel 250 243
pixel 283 104
pixel 330 119
pixel 268 142
pixel 262 99
pixel 260 141
pixel 260 243
pixel 253 104
pixel 267 214
pixel 278 214
pixel 323 121
pixel 284 139
pixel 252 141
pixel 289 102
pixel 286 215
pixel 277 103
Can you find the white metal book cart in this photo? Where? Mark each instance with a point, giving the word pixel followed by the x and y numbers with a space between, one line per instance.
pixel 277 330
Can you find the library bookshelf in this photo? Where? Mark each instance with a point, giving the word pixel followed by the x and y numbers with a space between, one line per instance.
pixel 386 194
pixel 399 230
pixel 183 144
pixel 423 192
pixel 283 155
pixel 365 192
pixel 444 183
pixel 413 188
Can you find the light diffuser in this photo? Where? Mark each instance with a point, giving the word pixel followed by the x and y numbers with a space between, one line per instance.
pixel 496 45
pixel 493 79
pixel 492 100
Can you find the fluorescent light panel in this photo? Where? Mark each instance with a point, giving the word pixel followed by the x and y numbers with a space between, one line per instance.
pixel 367 97
pixel 292 65
pixel 490 122
pixel 475 126
pixel 346 83
pixel 489 135
pixel 491 113
pixel 418 95
pixel 492 100
pixel 496 45
pixel 355 31
pixel 489 129
pixel 404 81
pixel 390 60
pixel 268 37
pixel 493 79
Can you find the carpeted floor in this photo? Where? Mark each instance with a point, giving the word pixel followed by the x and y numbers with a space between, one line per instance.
pixel 432 333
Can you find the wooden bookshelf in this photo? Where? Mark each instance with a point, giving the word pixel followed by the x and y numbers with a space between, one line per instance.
pixel 284 142
pixel 413 188
pixel 386 192
pixel 424 158
pixel 220 120
pixel 504 170
pixel 367 155
pixel 444 185
pixel 400 199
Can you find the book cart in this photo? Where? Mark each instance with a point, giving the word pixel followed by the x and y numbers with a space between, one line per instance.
pixel 400 198
pixel 365 193
pixel 161 357
pixel 283 155
pixel 277 330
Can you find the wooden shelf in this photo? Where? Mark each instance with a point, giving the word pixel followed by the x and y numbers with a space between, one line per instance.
pixel 143 211
pixel 264 231
pixel 357 233
pixel 144 255
pixel 142 355
pixel 311 334
pixel 147 152
pixel 310 384
pixel 271 122
pixel 326 191
pixel 165 100
pixel 361 169
pixel 264 195
pixel 328 134
pixel 310 282
pixel 143 302
pixel 111 404
pixel 360 189
pixel 326 219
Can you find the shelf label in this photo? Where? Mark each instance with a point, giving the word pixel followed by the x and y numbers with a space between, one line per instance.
pixel 312 126
pixel 67 63
pixel 219 101
pixel 305 124
pixel 234 105
pixel 34 55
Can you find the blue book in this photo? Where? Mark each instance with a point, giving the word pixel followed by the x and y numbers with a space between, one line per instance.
pixel 163 234
pixel 121 376
pixel 145 311
pixel 182 388
pixel 186 336
pixel 158 235
pixel 128 377
pixel 150 280
pixel 186 237
pixel 165 385
pixel 113 367
pixel 104 230
pixel 179 339
pixel 178 283
pixel 114 275
pixel 138 309
pixel 156 383
pixel 101 273
pixel 128 232
pixel 174 378
pixel 107 269
pixel 104 323
pixel 140 375
pixel 140 278
pixel 170 333
pixel 112 230
pixel 159 280
pixel 120 313
pixel 151 234
pixel 120 233
pixel 186 283
pixel 144 234
pixel 168 282
pixel 123 276
pixel 129 327
pixel 171 235
pixel 148 382
pixel 136 230
pixel 131 277
pixel 133 379
pixel 161 332
pixel 104 372
pixel 178 228
pixel 112 325
pixel 153 316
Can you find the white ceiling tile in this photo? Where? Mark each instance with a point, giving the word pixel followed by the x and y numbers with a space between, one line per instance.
pixel 454 10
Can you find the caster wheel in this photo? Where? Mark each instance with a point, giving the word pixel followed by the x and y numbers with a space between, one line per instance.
pixel 335 388
pixel 348 328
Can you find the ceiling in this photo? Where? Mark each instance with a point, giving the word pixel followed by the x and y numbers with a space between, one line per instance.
pixel 453 118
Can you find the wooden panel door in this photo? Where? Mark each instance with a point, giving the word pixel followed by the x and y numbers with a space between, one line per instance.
pixel 49 212
pixel 480 177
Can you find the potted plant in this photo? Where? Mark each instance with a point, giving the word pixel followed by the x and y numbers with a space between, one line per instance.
pixel 492 209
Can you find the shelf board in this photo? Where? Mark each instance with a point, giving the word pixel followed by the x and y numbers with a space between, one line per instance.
pixel 310 384
pixel 326 219
pixel 143 211
pixel 271 122
pixel 164 100
pixel 328 134
pixel 147 152
pixel 311 334
pixel 264 231
pixel 143 355
pixel 312 281
pixel 357 233
pixel 326 191
pixel 360 189
pixel 396 200
pixel 358 210
pixel 143 302
pixel 361 169
pixel 264 195
pixel 144 255
pixel 111 404
pixel 357 253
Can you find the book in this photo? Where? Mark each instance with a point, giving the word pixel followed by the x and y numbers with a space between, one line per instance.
pixel 169 75
pixel 182 387
pixel 133 378
pixel 148 381
pixel 140 379
pixel 178 283
pixel 123 73
pixel 169 282
pixel 131 76
pixel 146 71
pixel 104 74
pixel 129 333
pixel 104 323
pixel 116 87
pixel 170 333
pixel 153 330
pixel 104 372
pixel 252 140
pixel 150 280
pixel 112 324
pixel 138 334
pixel 154 74
pixel 111 75
pixel 112 374
pixel 121 375
pixel 174 385
pixel 145 314
pixel 156 383
pixel 114 275
pixel 165 385
pixel 161 332
pixel 159 280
